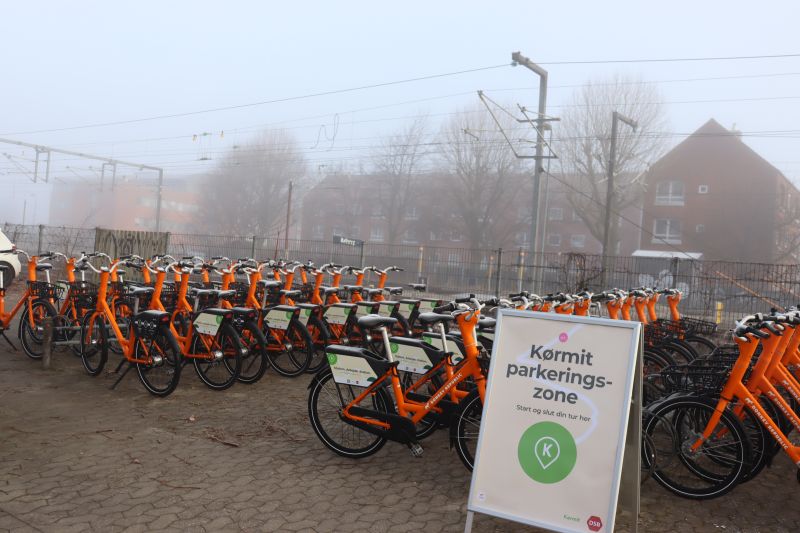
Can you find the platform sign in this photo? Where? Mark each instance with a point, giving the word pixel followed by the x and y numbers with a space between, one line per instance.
pixel 554 422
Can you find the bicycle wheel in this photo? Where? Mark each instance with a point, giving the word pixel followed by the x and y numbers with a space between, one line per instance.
pixel 700 345
pixel 464 430
pixel 162 370
pixel 320 339
pixel 94 345
pixel 217 359
pixel 254 360
pixel 325 402
pixel 290 351
pixel 679 352
pixel 708 472
pixel 32 336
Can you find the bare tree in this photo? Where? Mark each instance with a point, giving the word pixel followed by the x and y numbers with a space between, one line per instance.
pixel 481 169
pixel 396 160
pixel 583 146
pixel 247 192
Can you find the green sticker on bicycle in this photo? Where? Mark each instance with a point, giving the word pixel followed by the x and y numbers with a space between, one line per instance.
pixel 351 370
pixel 207 324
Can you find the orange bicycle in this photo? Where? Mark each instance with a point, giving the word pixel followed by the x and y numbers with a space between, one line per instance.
pixel 352 413
pixel 149 345
pixel 36 303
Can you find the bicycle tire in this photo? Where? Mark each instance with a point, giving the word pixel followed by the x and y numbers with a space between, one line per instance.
pixel 318 330
pixel 700 345
pixel 679 352
pixel 685 415
pixel 284 358
pixel 465 429
pixel 169 367
pixel 93 334
pixel 254 361
pixel 323 396
pixel 32 337
pixel 218 373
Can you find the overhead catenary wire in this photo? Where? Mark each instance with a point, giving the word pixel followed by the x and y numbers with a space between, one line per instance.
pixel 261 103
pixel 397 82
pixel 439 97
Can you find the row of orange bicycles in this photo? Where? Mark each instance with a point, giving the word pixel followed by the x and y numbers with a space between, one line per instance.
pixel 388 367
pixel 230 319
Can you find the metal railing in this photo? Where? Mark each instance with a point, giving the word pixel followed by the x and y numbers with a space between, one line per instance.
pixel 714 290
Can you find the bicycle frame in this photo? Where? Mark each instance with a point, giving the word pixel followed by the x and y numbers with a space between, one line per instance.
pixel 25 299
pixel 735 389
pixel 469 367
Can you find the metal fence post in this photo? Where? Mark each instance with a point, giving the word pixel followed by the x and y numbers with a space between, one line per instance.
pixel 253 248
pixel 39 245
pixel 497 275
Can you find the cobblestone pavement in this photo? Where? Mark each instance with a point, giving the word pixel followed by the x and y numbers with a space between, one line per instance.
pixel 77 456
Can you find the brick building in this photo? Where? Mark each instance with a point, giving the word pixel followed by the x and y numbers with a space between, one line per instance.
pixel 713 195
pixel 565 230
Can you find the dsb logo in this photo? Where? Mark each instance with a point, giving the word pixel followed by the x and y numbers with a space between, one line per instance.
pixel 594 523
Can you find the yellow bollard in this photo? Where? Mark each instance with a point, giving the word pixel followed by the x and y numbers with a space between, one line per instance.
pixel 719 312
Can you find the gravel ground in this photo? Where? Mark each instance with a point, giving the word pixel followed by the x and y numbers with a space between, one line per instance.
pixel 77 456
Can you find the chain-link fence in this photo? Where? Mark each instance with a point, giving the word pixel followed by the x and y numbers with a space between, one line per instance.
pixel 714 290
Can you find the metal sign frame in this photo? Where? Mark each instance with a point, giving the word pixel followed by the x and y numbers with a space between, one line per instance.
pixel 627 463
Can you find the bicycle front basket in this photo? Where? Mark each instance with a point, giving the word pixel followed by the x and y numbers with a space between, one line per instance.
pixel 42 289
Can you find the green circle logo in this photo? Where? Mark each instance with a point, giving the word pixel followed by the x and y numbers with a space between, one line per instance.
pixel 289 315
pixel 395 348
pixel 307 312
pixel 547 452
pixel 331 358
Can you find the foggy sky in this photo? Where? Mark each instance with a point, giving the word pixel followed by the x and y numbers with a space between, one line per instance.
pixel 74 63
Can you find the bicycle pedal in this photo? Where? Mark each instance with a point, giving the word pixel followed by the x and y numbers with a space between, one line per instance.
pixel 416 449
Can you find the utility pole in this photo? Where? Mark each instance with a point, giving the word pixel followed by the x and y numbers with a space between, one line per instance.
pixel 518 58
pixel 288 217
pixel 158 198
pixel 612 156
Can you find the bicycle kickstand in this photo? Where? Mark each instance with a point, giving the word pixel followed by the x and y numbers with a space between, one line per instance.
pixel 3 333
pixel 130 365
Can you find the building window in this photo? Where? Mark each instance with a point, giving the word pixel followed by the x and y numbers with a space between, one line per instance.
pixel 669 193
pixel 410 236
pixel 521 238
pixel 555 213
pixel 434 236
pixel 456 236
pixel 376 234
pixel 702 189
pixel 666 230
pixel 575 216
pixel 577 241
pixel 554 239
pixel 317 232
pixel 700 228
pixel 411 213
